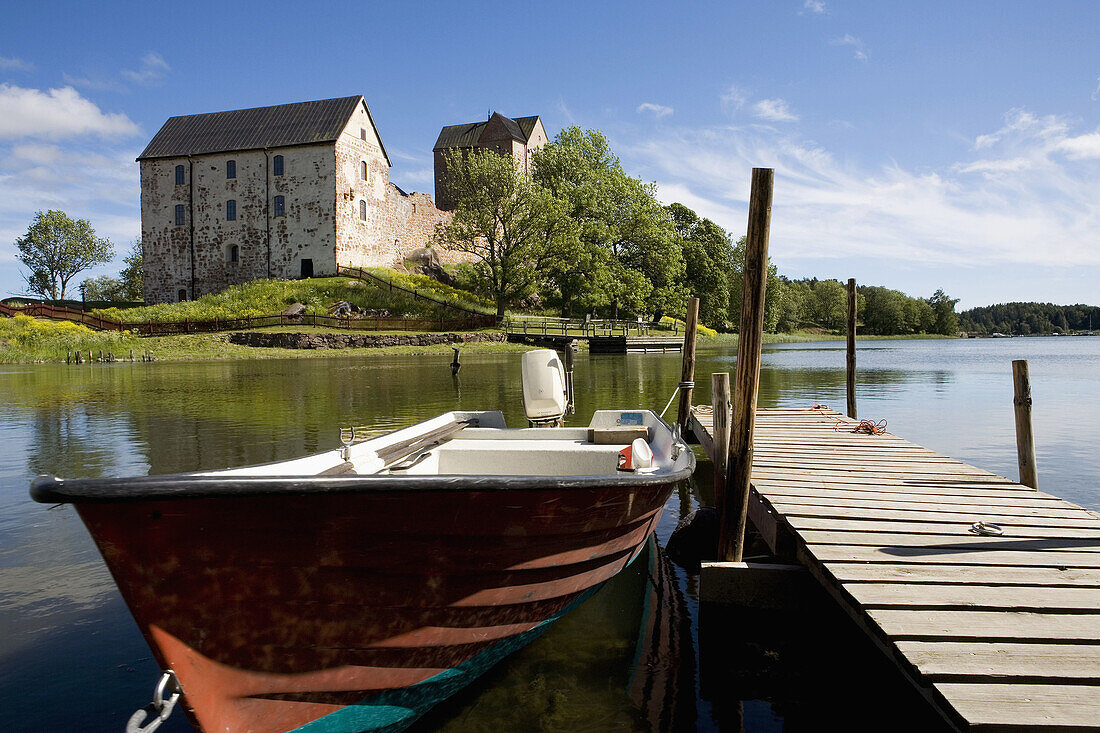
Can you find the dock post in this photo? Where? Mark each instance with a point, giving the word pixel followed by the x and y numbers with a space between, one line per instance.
pixel 687 374
pixel 750 341
pixel 721 406
pixel 851 363
pixel 1025 439
pixel 570 353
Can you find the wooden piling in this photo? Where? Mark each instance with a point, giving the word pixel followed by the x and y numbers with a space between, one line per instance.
pixel 455 364
pixel 78 359
pixel 750 341
pixel 1025 439
pixel 721 408
pixel 687 374
pixel 570 353
pixel 851 363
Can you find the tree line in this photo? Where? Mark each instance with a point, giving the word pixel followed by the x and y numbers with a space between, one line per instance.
pixel 581 236
pixel 1023 319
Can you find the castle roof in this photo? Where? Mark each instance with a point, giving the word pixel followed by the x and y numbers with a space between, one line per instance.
pixel 468 135
pixel 280 126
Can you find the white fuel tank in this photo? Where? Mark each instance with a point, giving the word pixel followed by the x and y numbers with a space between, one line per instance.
pixel 543 385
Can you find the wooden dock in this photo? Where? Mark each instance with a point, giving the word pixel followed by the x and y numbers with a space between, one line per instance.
pixel 1000 633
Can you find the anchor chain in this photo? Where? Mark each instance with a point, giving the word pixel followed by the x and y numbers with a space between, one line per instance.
pixel 150 717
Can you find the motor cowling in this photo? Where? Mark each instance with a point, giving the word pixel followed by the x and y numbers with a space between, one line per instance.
pixel 544 394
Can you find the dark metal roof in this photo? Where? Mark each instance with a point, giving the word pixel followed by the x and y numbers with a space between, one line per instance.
pixel 467 135
pixel 301 123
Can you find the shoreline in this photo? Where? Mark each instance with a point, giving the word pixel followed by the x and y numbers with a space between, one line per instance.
pixel 220 346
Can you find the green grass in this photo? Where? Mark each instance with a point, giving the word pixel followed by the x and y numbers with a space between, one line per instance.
pixel 270 297
pixel 25 340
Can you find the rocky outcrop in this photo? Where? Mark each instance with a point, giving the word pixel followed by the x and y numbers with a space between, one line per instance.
pixel 279 340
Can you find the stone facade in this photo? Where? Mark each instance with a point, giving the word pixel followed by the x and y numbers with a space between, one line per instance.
pixel 332 203
pixel 517 138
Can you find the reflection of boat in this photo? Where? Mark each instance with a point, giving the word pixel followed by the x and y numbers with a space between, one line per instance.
pixel 353 589
pixel 663 685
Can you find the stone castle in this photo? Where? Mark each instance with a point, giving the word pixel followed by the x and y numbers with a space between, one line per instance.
pixel 290 191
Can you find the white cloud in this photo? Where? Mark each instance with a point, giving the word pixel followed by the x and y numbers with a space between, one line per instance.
pixel 95 83
pixel 1082 146
pixel 1028 200
pixel 813 6
pixel 14 64
pixel 657 110
pixel 733 99
pixel 56 113
pixel 151 72
pixel 774 110
pixel 848 39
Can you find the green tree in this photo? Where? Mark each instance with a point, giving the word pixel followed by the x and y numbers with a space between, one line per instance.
pixel 632 253
pixel 104 288
pixel 133 274
pixel 56 248
pixel 773 295
pixel 708 263
pixel 945 320
pixel 510 224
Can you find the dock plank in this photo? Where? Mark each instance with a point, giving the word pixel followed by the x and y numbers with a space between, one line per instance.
pixel 1000 633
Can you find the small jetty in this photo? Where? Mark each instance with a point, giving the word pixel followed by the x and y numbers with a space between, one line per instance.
pixel 1000 632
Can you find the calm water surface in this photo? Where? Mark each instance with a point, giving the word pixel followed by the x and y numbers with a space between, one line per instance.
pixel 72 659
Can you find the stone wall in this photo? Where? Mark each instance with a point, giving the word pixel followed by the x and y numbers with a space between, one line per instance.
pixel 269 339
pixel 195 257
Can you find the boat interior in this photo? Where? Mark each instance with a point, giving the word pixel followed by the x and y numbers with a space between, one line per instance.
pixel 480 443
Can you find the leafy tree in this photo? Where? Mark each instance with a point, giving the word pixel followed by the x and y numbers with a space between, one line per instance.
pixel 708 263
pixel 773 295
pixel 943 312
pixel 105 288
pixel 55 248
pixel 133 274
pixel 630 247
pixel 510 224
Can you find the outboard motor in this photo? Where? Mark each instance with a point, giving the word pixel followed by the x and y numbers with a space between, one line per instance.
pixel 544 395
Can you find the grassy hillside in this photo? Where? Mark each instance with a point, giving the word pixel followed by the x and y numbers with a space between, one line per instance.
pixel 267 297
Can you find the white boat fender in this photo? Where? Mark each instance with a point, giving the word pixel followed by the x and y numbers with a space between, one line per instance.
pixel 636 455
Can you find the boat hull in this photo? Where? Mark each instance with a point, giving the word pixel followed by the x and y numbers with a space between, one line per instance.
pixel 357 610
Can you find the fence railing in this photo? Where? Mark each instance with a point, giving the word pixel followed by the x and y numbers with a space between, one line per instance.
pixel 361 274
pixel 545 326
pixel 152 328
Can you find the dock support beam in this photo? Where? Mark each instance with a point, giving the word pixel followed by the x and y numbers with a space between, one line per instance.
pixel 721 406
pixel 750 341
pixel 1025 439
pixel 851 363
pixel 687 374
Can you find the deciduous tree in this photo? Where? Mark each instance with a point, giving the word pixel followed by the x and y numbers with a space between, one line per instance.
pixel 56 248
pixel 511 225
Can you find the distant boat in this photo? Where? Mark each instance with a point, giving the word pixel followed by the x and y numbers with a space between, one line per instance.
pixel 353 589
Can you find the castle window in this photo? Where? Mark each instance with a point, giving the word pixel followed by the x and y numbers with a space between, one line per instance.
pixel 362 209
pixel 182 294
pixel 234 254
pixel 230 169
pixel 280 206
pixel 363 170
pixel 363 133
pixel 179 215
pixel 231 210
pixel 277 165
pixel 179 175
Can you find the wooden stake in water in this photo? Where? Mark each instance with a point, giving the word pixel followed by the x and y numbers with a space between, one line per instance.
pixel 687 374
pixel 1025 439
pixel 721 406
pixel 750 341
pixel 851 363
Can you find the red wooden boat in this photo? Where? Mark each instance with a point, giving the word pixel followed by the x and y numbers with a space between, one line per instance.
pixel 353 589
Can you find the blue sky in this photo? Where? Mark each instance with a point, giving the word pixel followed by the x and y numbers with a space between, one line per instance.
pixel 916 145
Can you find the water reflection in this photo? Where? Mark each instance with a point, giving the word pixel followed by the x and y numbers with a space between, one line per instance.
pixel 66 634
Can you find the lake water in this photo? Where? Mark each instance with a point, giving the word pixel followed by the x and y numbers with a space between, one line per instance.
pixel 72 659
